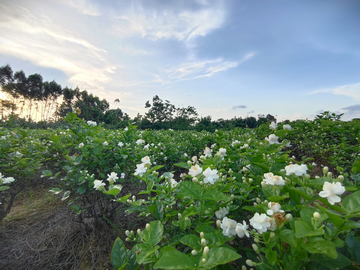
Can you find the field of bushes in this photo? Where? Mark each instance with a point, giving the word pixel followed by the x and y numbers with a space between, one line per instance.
pixel 278 196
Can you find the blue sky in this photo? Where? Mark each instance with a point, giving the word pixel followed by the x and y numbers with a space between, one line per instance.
pixel 291 59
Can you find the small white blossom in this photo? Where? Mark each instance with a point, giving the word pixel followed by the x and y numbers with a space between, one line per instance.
pixel 120 144
pixel 260 222
pixel 274 208
pixel 105 143
pixel 146 160
pixel 331 192
pixel 272 139
pixel 273 125
pixel 98 184
pixel 222 212
pixel 296 169
pixel 242 229
pixel 195 170
pixel 140 169
pixel 140 141
pixel 207 152
pixel 273 180
pixel 210 176
pixel 81 145
pixel 229 227
pixel 287 126
pixel 112 177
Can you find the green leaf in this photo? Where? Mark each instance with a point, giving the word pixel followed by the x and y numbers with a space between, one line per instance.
pixel 190 211
pixel 153 235
pixel 131 264
pixel 302 229
pixel 220 255
pixel 341 262
pixel 2 188
pixel 155 168
pixel 307 215
pixel 215 195
pixel 271 256
pixel 124 198
pixel 281 132
pixel 159 211
pixel 145 253
pixel 56 138
pixel 190 190
pixel 46 173
pixel 113 191
pixel 278 166
pixel 351 203
pixel 205 228
pixel 322 246
pixel 82 189
pixel 192 241
pixel 182 165
pixel 174 260
pixel 277 198
pixel 55 190
pixel 215 239
pixel 119 256
pixel 288 236
pixel 353 246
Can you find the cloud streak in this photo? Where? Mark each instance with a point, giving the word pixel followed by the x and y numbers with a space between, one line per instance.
pixel 350 90
pixel 239 107
pixel 39 40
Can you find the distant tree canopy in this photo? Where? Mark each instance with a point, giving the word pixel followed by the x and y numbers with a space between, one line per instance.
pixel 32 99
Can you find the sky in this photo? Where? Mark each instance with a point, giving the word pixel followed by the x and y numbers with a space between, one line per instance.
pixel 227 58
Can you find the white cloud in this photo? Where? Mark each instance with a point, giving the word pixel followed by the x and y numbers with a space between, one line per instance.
pixel 81 6
pixel 39 40
pixel 182 25
pixel 350 90
pixel 206 68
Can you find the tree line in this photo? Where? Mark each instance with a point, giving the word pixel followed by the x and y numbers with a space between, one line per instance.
pixel 32 99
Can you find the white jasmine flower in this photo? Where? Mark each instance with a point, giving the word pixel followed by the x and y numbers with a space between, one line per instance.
pixel 273 180
pixel 140 169
pixel 235 143
pixel 126 129
pixel 195 170
pixel 260 222
pixel 140 141
pixel 105 143
pixel 296 169
pixel 98 184
pixel 330 192
pixel 185 155
pixel 222 212
pixel 81 144
pixel 272 139
pixel 229 227
pixel 146 160
pixel 210 176
pixel 146 147
pixel 221 152
pixel 194 159
pixel 112 177
pixel 274 208
pixel 287 126
pixel 242 229
pixel 91 123
pixel 8 180
pixel 273 125
pixel 122 175
pixel 173 183
pixel 207 152
pixel 120 144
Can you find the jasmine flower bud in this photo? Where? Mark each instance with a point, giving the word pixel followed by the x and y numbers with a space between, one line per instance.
pixel 218 223
pixel 203 260
pixel 206 250
pixel 325 169
pixel 203 242
pixel 193 252
pixel 272 235
pixel 249 262
pixel 288 217
pixel 195 180
pixel 138 231
pixel 340 178
pixel 147 226
pixel 202 235
pixel 255 247
pixel 329 174
pixel 316 215
pixel 127 232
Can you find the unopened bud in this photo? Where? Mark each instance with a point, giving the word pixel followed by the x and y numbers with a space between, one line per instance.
pixel 127 232
pixel 127 239
pixel 243 267
pixel 263 184
pixel 288 217
pixel 206 250
pixel 340 178
pixel 138 231
pixel 218 223
pixel 203 241
pixel 202 235
pixel 250 180
pixel 189 163
pixel 307 176
pixel 325 169
pixel 272 235
pixel 258 200
pixel 201 183
pixel 316 215
pixel 255 247
pixel 179 215
pixel 193 252
pixel 249 262
pixel 147 226
pixel 256 240
pixel 203 260
pixel 329 174
pixel 187 219
pixel 195 180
